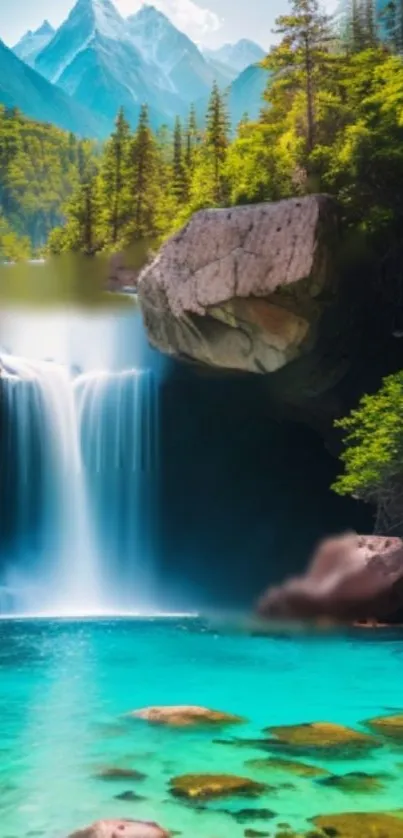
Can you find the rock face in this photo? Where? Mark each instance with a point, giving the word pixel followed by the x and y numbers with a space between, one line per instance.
pixel 185 716
pixel 121 829
pixel 246 288
pixel 350 578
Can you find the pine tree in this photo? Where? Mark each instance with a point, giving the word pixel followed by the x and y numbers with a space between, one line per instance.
pixel 113 181
pixel 393 21
pixel 180 182
pixel 217 140
pixel 144 181
pixel 306 34
pixel 191 138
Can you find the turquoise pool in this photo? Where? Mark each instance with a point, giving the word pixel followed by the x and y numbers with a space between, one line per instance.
pixel 65 687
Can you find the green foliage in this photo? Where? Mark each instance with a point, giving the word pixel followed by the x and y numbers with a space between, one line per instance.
pixel 12 247
pixel 38 172
pixel 373 455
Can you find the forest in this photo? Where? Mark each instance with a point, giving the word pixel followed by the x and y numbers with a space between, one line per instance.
pixel 331 120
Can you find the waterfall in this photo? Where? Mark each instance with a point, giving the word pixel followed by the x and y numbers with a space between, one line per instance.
pixel 78 458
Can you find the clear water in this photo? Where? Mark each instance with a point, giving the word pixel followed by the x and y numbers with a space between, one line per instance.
pixel 65 688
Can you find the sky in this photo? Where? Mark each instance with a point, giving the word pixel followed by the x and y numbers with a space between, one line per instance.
pixel 208 22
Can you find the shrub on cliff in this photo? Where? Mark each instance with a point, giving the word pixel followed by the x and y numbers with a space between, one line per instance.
pixel 373 453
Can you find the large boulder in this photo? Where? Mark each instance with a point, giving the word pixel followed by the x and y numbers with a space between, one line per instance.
pixel 245 288
pixel 351 578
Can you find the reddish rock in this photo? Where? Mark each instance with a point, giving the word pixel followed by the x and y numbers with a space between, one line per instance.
pixel 121 829
pixel 351 578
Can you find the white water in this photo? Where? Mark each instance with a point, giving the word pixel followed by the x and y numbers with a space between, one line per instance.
pixel 79 453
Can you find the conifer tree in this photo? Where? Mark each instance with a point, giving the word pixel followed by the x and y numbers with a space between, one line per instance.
pixel 191 138
pixel 180 184
pixel 113 181
pixel 217 140
pixel 144 181
pixel 306 33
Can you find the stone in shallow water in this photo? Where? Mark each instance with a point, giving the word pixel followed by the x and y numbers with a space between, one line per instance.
pixel 209 786
pixel 112 773
pixel 121 829
pixel 186 716
pixel 247 815
pixel 301 769
pixel 321 737
pixel 255 833
pixel 358 825
pixel 389 726
pixel 130 797
pixel 356 782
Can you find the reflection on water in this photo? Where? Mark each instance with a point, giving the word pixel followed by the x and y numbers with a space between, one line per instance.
pixel 70 279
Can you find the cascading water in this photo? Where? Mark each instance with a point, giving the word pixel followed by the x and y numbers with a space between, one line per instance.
pixel 79 455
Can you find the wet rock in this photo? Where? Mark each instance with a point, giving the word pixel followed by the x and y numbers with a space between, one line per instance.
pixel 186 716
pixel 210 786
pixel 350 578
pixel 130 797
pixel 301 769
pixel 389 726
pixel 356 782
pixel 121 829
pixel 323 738
pixel 359 825
pixel 112 773
pixel 255 833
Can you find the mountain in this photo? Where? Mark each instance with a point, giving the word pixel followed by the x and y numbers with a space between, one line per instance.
pixel 245 93
pixel 184 68
pixel 93 58
pixel 237 56
pixel 21 87
pixel 32 43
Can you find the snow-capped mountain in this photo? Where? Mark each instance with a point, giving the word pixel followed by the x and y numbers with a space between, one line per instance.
pixel 238 56
pixel 246 93
pixel 185 69
pixel 95 60
pixel 21 87
pixel 87 20
pixel 32 43
pixel 104 62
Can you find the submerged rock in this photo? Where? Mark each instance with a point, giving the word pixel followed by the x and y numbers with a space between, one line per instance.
pixel 130 797
pixel 209 786
pixel 121 829
pixel 359 825
pixel 115 773
pixel 301 769
pixel 321 737
pixel 351 577
pixel 186 716
pixel 389 726
pixel 355 782
pixel 247 815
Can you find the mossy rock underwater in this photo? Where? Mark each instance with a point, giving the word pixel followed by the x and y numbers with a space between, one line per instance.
pixel 355 782
pixel 324 738
pixel 358 825
pixel 186 716
pixel 389 726
pixel 300 769
pixel 211 786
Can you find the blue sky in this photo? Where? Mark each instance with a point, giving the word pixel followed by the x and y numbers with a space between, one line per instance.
pixel 211 22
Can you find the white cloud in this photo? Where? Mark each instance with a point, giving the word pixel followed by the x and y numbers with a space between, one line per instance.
pixel 187 15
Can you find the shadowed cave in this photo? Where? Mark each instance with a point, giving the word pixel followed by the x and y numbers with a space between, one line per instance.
pixel 243 498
